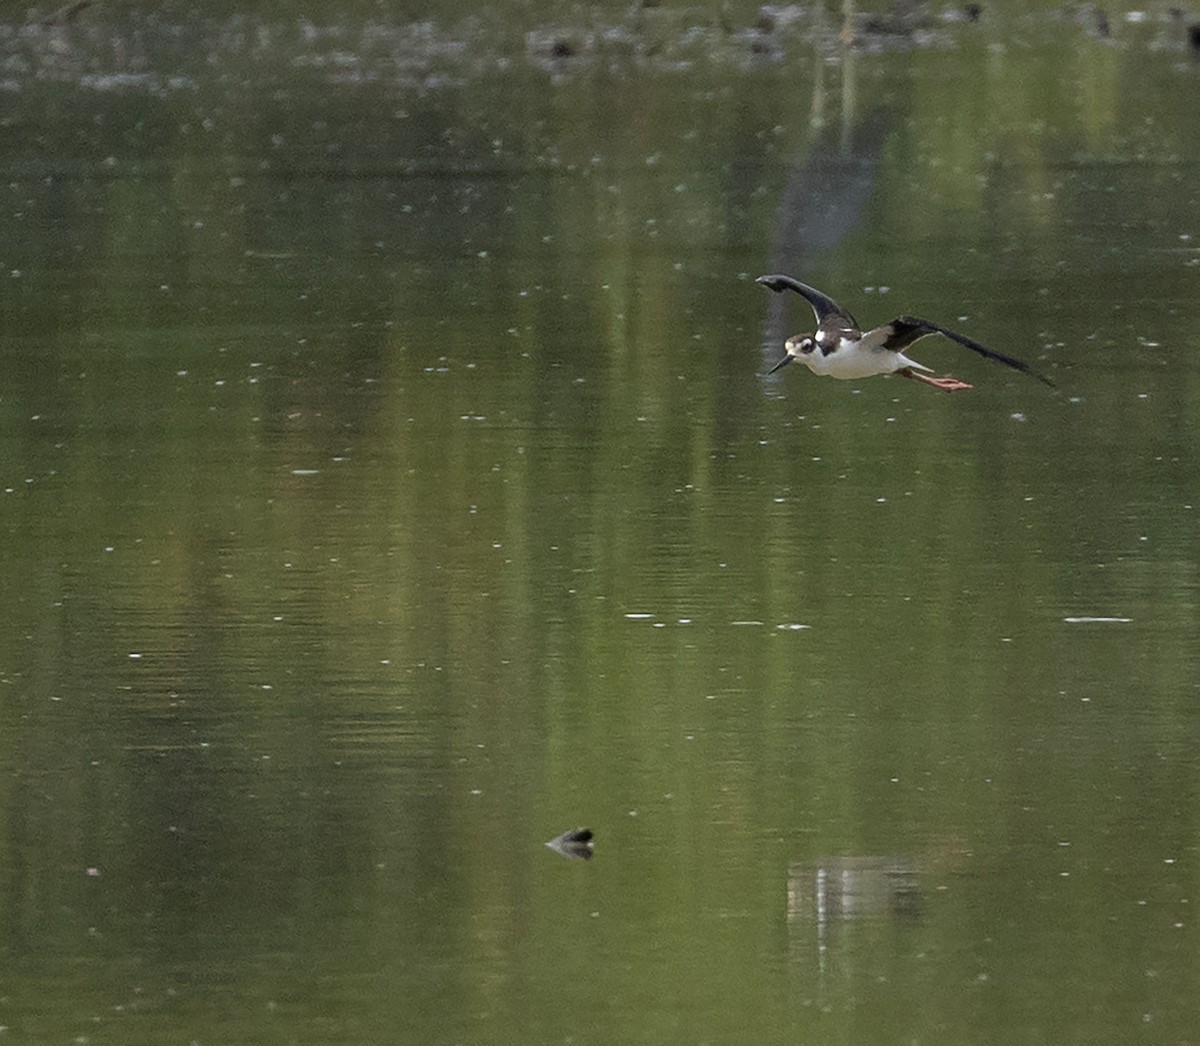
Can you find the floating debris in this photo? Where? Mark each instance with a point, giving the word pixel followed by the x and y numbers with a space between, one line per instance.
pixel 1098 620
pixel 576 844
pixel 1193 38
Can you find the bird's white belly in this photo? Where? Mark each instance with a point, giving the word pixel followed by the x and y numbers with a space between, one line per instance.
pixel 853 361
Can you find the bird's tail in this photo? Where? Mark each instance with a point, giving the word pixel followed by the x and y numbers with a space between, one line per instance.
pixel 904 361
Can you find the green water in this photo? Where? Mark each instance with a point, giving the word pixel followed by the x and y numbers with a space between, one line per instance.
pixel 388 483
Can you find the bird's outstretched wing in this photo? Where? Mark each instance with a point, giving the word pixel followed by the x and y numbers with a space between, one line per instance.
pixel 822 305
pixel 904 330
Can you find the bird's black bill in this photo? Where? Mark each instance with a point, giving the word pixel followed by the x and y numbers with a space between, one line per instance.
pixel 782 363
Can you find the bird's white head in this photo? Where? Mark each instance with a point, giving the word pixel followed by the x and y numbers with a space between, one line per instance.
pixel 800 345
pixel 797 347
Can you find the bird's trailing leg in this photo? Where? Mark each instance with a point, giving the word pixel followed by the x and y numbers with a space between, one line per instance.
pixel 946 383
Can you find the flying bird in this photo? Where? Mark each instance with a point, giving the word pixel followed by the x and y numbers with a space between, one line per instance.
pixel 841 349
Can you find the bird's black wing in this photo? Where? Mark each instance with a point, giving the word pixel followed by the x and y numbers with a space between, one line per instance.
pixel 822 305
pixel 904 330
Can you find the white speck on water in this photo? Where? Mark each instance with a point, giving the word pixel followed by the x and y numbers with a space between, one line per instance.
pixel 1097 620
pixel 134 656
pixel 1018 416
pixel 640 617
pixel 792 626
pixel 738 623
pixel 306 472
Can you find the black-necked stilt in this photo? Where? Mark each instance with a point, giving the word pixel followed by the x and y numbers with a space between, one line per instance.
pixel 841 349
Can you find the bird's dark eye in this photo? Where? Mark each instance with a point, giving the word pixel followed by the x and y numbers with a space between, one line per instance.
pixel 807 345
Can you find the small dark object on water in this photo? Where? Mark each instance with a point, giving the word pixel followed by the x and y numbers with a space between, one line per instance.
pixel 576 844
pixel 1102 26
pixel 973 12
pixel 1193 35
pixel 563 49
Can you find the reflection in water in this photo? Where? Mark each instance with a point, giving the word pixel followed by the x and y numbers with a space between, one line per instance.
pixel 826 193
pixel 469 332
pixel 836 889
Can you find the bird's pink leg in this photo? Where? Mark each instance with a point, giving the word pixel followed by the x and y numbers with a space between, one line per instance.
pixel 946 384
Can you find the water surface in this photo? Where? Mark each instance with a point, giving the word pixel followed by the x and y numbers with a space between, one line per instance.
pixel 389 484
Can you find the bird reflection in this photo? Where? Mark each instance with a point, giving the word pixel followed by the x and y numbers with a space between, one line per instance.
pixel 839 890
